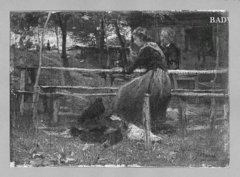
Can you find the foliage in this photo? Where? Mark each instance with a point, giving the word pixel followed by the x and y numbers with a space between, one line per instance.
pixel 84 26
pixel 26 22
pixel 147 18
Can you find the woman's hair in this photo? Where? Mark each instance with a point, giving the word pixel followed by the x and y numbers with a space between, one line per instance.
pixel 169 34
pixel 141 33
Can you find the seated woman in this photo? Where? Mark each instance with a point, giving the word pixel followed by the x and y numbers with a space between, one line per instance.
pixel 155 81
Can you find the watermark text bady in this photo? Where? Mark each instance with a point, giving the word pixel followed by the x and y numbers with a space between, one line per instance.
pixel 218 19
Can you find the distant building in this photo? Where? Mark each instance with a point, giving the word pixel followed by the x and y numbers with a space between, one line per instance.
pixel 197 37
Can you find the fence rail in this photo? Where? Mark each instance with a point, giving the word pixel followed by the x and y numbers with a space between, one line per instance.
pixel 119 70
pixel 80 87
pixel 184 92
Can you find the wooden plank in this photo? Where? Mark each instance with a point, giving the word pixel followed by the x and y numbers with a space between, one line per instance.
pixel 192 94
pixel 201 90
pixel 183 94
pixel 177 71
pixel 224 91
pixel 113 94
pixel 81 87
pixel 80 94
pixel 119 70
pixel 193 72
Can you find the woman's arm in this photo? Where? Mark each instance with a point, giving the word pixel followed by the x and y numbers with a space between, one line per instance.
pixel 146 59
pixel 140 60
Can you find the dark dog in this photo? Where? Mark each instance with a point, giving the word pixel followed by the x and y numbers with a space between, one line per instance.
pixel 75 132
pixel 94 111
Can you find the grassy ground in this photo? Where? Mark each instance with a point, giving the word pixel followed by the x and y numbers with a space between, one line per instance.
pixel 198 147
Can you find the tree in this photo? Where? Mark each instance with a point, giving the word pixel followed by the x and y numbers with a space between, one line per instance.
pixel 101 42
pixel 84 24
pixel 56 31
pixel 61 20
pixel 79 25
pixel 147 18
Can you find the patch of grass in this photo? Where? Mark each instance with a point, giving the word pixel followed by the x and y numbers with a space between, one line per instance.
pixel 197 148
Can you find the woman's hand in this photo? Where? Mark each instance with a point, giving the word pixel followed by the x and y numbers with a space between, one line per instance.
pixel 133 53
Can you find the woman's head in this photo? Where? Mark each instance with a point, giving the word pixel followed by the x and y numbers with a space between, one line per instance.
pixel 140 36
pixel 167 36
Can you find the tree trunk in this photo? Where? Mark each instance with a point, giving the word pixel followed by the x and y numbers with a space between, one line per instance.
pixel 56 31
pixel 101 44
pixel 67 75
pixel 64 53
pixel 123 52
pixel 132 41
pixel 63 26
pixel 36 86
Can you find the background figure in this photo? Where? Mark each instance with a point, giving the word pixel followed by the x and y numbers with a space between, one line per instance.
pixel 171 52
pixel 129 100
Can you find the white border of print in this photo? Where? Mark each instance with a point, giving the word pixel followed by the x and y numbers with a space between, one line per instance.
pixel 233 6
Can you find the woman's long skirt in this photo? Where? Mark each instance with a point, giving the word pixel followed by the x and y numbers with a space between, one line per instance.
pixel 129 100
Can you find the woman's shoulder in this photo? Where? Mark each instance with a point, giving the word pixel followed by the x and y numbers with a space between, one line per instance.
pixel 148 46
pixel 151 47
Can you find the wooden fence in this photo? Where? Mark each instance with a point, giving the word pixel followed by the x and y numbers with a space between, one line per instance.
pixel 176 75
pixel 193 75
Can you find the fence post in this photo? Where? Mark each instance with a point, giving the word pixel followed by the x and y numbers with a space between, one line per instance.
pixel 226 110
pixel 108 79
pixel 36 86
pixel 182 115
pixel 196 87
pixel 213 100
pixel 213 113
pixel 146 121
pixel 55 110
pixel 22 87
pixel 175 83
